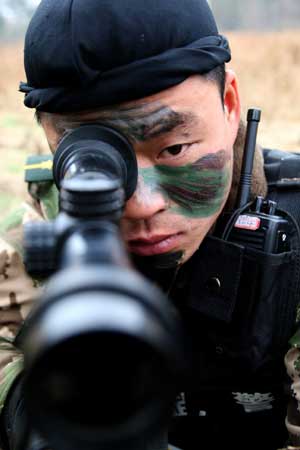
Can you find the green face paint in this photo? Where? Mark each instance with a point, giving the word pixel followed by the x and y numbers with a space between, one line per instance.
pixel 197 189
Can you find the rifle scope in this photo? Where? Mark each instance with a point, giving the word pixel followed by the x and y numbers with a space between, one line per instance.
pixel 103 347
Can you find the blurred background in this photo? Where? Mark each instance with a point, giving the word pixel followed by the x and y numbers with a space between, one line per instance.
pixel 265 42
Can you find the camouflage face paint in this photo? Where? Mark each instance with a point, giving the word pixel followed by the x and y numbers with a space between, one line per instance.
pixel 197 189
pixel 138 123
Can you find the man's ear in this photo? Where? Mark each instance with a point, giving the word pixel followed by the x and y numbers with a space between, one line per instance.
pixel 47 122
pixel 232 105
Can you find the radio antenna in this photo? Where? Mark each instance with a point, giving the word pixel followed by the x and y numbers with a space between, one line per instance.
pixel 253 119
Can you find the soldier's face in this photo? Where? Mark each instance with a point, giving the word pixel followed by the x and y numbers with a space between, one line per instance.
pixel 183 139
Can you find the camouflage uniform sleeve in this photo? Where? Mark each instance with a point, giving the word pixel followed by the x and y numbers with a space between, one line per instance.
pixel 292 362
pixel 17 292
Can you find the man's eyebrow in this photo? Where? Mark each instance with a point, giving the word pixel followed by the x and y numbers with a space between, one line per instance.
pixel 140 123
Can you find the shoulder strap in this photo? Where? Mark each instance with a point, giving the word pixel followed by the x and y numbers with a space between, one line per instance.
pixel 282 169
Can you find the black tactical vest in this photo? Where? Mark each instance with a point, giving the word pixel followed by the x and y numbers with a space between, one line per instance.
pixel 239 306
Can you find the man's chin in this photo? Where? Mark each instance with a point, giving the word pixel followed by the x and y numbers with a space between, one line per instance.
pixel 160 269
pixel 168 260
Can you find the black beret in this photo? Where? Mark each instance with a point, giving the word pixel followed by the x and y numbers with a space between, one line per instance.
pixel 83 54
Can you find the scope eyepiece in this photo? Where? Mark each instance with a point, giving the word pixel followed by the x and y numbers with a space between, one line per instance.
pixel 96 149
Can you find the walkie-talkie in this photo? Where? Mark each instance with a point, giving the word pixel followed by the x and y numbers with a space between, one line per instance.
pixel 257 224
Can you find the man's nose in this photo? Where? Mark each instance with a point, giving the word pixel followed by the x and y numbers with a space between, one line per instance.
pixel 145 202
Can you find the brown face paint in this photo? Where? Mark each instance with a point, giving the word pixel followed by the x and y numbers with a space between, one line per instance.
pixel 197 189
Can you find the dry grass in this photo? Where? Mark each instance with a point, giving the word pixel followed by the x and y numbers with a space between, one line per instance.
pixel 268 67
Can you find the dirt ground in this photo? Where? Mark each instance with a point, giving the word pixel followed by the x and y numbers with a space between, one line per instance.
pixel 268 67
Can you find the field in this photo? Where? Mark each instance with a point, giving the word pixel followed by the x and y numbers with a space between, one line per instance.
pixel 268 67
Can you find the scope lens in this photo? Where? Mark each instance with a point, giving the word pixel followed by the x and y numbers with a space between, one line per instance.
pixel 99 379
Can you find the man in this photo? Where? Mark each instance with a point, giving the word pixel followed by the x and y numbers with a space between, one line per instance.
pixel 155 71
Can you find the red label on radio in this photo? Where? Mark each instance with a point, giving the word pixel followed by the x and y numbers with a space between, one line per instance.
pixel 248 223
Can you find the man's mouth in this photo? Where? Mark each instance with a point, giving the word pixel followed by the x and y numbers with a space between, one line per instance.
pixel 154 245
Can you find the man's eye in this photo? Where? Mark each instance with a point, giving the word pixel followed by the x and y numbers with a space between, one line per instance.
pixel 174 149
